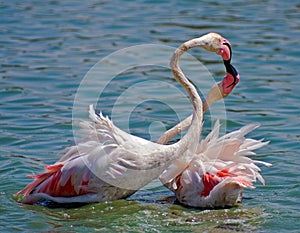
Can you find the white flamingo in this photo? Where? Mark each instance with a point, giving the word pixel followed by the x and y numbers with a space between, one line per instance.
pixel 219 91
pixel 111 164
pixel 216 175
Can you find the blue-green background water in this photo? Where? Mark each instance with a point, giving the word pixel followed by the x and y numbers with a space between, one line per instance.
pixel 46 49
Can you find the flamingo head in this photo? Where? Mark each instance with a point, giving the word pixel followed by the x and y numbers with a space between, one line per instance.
pixel 216 43
pixel 212 42
pixel 230 80
pixel 222 89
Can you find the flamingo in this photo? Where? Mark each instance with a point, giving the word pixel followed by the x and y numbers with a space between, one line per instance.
pixel 219 171
pixel 219 91
pixel 110 164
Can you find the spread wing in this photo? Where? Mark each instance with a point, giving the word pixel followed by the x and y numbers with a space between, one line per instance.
pixel 105 157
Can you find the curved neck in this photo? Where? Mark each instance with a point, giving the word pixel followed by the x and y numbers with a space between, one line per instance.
pixel 189 143
pixel 184 82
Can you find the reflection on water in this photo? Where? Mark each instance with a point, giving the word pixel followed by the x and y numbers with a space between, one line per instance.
pixel 48 46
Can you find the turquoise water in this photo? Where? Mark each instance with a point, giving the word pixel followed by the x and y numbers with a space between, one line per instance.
pixel 47 47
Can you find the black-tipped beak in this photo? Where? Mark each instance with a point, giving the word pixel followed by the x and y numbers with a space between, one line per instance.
pixel 230 68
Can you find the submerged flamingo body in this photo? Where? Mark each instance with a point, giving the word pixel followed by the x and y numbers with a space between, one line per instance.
pixel 72 180
pixel 216 175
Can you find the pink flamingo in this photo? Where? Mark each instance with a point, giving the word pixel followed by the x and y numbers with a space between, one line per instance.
pixel 111 164
pixel 215 176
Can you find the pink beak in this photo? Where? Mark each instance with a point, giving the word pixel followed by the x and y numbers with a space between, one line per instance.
pixel 229 82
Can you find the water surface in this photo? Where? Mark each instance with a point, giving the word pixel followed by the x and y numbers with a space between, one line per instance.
pixel 46 49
